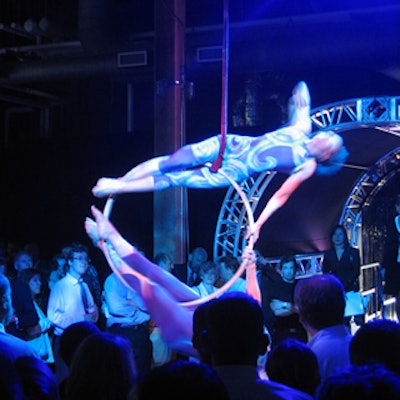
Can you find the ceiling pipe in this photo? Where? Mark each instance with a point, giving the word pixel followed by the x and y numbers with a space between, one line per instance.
pixel 82 68
pixel 288 42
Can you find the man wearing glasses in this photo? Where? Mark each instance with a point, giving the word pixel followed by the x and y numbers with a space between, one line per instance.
pixel 70 299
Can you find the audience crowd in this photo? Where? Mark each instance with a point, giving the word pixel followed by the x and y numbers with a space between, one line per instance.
pixel 66 333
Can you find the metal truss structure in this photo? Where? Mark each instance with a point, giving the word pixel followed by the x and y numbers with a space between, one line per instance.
pixel 233 220
pixel 381 113
pixel 365 190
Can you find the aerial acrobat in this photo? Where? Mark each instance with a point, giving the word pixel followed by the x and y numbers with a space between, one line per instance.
pixel 292 149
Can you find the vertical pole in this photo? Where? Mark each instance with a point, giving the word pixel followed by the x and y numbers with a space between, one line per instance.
pixel 170 206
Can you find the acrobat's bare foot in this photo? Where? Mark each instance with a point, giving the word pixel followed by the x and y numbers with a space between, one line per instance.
pixel 92 230
pixel 107 186
pixel 299 108
pixel 301 95
pixel 105 229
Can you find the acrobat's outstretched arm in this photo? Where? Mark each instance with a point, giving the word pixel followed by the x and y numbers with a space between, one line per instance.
pixel 252 287
pixel 282 195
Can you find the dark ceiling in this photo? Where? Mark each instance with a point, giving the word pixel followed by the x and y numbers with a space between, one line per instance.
pixel 62 91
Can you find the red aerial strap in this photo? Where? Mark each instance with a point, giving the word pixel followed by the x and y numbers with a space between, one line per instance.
pixel 224 98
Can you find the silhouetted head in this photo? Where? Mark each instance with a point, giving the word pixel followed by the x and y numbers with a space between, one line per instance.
pixel 180 380
pixel 369 382
pixel 320 300
pixel 294 364
pixel 235 334
pixel 103 367
pixel 200 327
pixel 378 341
pixel 73 336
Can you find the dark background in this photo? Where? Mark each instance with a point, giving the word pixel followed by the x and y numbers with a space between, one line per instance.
pixel 342 49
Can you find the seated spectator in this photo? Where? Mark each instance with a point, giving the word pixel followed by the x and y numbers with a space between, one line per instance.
pixel 320 301
pixel 164 261
pixel 41 343
pixel 37 379
pixel 294 364
pixel 369 382
pixel 232 337
pixel 180 380
pixel 103 368
pixel 208 275
pixel 59 268
pixel 378 341
pixel 10 345
pixel 228 265
pixel 188 273
pixel 25 323
pixel 279 293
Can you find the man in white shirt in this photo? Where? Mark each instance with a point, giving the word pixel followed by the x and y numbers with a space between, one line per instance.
pixel 70 299
pixel 127 316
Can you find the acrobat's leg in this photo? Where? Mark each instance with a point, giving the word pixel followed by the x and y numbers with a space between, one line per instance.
pixel 110 186
pixel 181 159
pixel 147 176
pixel 299 108
pixel 176 289
pixel 127 259
pixel 147 168
pixel 198 178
